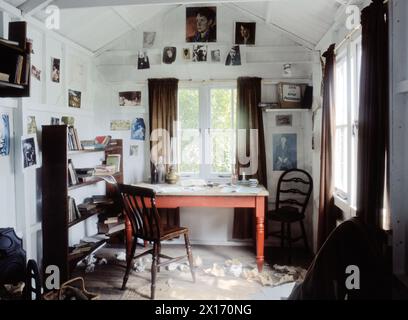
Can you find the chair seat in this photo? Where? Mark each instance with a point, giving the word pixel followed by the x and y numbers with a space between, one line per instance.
pixel 173 232
pixel 286 214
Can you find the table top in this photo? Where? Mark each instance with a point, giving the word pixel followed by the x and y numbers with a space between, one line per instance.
pixel 222 190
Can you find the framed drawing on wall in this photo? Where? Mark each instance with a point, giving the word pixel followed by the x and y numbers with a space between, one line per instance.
pixel 284 148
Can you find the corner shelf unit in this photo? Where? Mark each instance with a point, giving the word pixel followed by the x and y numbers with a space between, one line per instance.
pixel 55 191
pixel 19 76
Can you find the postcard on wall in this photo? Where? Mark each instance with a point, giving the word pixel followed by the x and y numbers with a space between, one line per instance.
pixel 120 125
pixel 55 121
pixel 284 151
pixel 130 98
pixel 186 54
pixel 36 72
pixel 113 160
pixel 138 129
pixel 74 98
pixel 55 69
pixel 233 57
pixel 283 120
pixel 143 60
pixel 134 150
pixel 148 39
pixel 201 24
pixel 200 53
pixel 169 55
pixel 216 55
pixel 4 135
pixel 31 125
pixel 245 33
pixel 69 121
pixel 29 148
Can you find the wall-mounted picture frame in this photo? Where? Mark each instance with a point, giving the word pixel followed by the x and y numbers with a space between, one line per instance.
pixel 283 120
pixel 29 151
pixel 130 98
pixel 290 95
pixel 245 33
pixel 74 98
pixel 200 53
pixel 4 135
pixel 138 129
pixel 201 24
pixel 284 149
pixel 216 56
pixel 55 69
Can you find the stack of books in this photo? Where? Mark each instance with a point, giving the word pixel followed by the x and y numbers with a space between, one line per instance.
pixel 84 174
pixel 99 143
pixel 105 170
pixel 111 225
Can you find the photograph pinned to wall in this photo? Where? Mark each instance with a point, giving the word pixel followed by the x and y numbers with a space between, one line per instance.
pixel 55 121
pixel 138 129
pixel 74 98
pixel 4 135
pixel 283 120
pixel 69 121
pixel 130 98
pixel 216 55
pixel 113 160
pixel 201 24
pixel 169 55
pixel 284 151
pixel 120 125
pixel 233 57
pixel 134 150
pixel 31 125
pixel 55 69
pixel 36 72
pixel 148 39
pixel 245 33
pixel 186 54
pixel 143 60
pixel 200 53
pixel 29 150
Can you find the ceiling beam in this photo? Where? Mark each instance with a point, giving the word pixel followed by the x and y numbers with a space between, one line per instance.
pixel 31 7
pixel 69 4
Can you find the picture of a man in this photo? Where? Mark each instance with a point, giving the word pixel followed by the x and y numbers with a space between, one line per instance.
pixel 169 55
pixel 245 33
pixel 284 152
pixel 234 57
pixel 201 24
pixel 143 60
pixel 29 152
pixel 199 53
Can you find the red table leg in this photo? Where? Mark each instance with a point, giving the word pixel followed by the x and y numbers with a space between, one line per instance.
pixel 128 236
pixel 260 231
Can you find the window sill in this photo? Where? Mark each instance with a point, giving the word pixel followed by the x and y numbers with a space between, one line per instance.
pixel 348 210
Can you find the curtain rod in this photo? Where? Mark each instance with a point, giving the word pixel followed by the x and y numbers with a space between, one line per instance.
pixel 264 80
pixel 347 37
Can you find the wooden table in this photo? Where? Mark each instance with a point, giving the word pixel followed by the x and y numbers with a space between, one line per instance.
pixel 168 196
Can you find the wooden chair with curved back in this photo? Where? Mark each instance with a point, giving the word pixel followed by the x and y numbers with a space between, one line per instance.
pixel 139 205
pixel 292 196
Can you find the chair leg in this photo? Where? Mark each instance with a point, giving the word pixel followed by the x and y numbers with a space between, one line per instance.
pixel 282 235
pixel 190 255
pixel 289 237
pixel 158 255
pixel 302 226
pixel 154 269
pixel 129 263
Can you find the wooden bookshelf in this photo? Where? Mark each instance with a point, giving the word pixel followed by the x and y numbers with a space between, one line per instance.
pixel 16 62
pixel 55 192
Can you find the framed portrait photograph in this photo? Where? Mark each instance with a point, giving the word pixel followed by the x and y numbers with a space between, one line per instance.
pixel 130 98
pixel 245 33
pixel 201 24
pixel 29 148
pixel 169 55
pixel 233 57
pixel 284 149
pixel 143 60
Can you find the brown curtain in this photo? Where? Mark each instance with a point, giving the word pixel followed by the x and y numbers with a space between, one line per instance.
pixel 162 121
pixel 327 210
pixel 249 116
pixel 373 114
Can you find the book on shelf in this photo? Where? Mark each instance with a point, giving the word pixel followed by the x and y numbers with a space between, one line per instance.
pixel 72 177
pixel 19 69
pixel 88 208
pixel 113 160
pixel 111 228
pixel 74 143
pixel 102 200
pixel 73 211
pixel 9 42
pixel 4 77
pixel 104 170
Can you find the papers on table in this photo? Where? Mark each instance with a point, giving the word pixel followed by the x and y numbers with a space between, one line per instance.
pixel 240 189
pixel 193 183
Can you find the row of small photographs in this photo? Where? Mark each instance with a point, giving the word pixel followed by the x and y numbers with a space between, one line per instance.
pixel 199 53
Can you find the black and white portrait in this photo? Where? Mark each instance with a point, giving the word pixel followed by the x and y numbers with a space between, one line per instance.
pixel 245 33
pixel 186 54
pixel 148 39
pixel 169 55
pixel 201 24
pixel 143 60
pixel 29 151
pixel 284 151
pixel 216 55
pixel 55 69
pixel 200 53
pixel 233 57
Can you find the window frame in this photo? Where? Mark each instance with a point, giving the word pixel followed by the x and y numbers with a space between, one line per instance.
pixel 346 201
pixel 204 89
